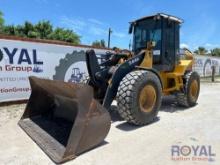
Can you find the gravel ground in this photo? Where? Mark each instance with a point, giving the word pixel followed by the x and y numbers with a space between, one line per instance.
pixel 126 144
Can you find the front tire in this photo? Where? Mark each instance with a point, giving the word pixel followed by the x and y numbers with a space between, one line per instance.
pixel 139 97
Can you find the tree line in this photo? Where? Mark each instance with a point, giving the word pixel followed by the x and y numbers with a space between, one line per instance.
pixel 203 51
pixel 43 30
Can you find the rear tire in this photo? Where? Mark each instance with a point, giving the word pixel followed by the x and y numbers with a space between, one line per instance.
pixel 139 97
pixel 189 96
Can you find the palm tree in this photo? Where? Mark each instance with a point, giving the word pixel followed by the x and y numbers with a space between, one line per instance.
pixel 215 52
pixel 44 28
pixel 1 19
pixel 201 51
pixel 98 43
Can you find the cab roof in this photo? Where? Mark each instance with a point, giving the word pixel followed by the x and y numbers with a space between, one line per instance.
pixel 173 18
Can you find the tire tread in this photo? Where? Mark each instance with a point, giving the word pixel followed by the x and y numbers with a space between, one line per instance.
pixel 124 96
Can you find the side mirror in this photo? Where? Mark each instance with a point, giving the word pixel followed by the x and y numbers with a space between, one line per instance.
pixel 130 28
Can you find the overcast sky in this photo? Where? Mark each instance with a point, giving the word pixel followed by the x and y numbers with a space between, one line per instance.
pixel 92 18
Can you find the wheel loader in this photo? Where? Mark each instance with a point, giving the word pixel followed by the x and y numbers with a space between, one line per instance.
pixel 67 119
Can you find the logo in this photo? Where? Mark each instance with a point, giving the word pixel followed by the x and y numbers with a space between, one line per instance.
pixel 202 153
pixel 72 68
pixel 1 55
pixel 207 69
pixel 76 75
pixel 132 61
pixel 21 60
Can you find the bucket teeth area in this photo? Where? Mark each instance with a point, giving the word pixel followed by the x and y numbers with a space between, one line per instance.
pixel 64 119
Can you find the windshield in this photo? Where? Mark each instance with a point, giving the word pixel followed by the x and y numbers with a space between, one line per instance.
pixel 145 31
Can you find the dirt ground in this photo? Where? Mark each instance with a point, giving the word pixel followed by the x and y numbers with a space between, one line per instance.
pixel 127 144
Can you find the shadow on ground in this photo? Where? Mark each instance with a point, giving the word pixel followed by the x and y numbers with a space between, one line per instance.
pixel 99 145
pixel 125 126
pixel 130 127
pixel 169 104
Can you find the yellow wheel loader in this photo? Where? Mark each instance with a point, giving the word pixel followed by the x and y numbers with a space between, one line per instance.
pixel 67 119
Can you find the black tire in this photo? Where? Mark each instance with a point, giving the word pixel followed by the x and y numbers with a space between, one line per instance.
pixel 184 98
pixel 128 95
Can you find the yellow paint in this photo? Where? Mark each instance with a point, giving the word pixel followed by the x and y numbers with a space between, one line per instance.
pixel 173 81
pixel 147 98
pixel 194 90
pixel 121 61
pixel 148 60
pixel 148 57
pixel 182 66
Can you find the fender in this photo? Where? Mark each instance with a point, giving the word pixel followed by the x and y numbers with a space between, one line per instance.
pixel 117 77
pixel 153 71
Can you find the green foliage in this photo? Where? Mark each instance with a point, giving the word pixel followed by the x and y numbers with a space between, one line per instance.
pixel 201 51
pixel 41 30
pixel 1 19
pixel 44 29
pixel 100 44
pixel 215 52
pixel 65 35
pixel 8 30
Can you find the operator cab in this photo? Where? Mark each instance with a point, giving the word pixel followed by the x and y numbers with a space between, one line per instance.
pixel 162 29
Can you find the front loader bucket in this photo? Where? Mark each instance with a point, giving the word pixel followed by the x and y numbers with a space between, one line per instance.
pixel 64 119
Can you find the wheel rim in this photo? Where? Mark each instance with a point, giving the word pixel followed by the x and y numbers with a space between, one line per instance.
pixel 147 98
pixel 194 90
